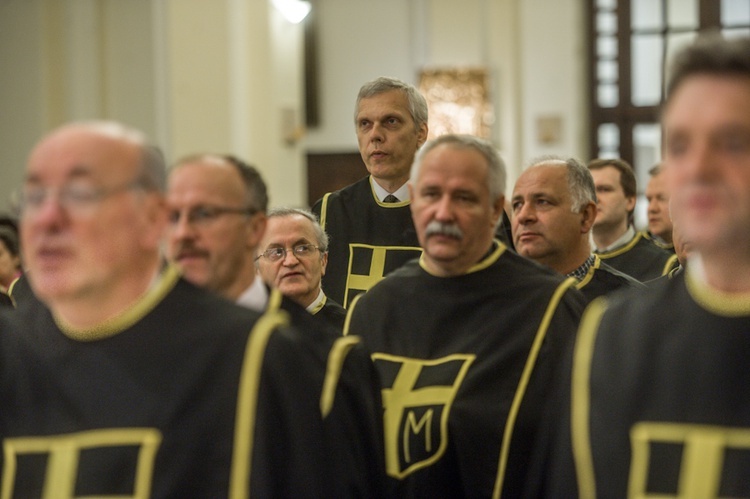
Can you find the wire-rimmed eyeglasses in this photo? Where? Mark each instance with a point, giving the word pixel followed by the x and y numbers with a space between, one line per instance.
pixel 279 253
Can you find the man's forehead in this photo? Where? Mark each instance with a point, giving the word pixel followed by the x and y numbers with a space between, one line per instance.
pixel 81 154
pixel 549 185
pixel 206 178
pixel 544 173
pixel 289 227
pixel 393 101
pixel 606 174
pixel 454 161
pixel 657 181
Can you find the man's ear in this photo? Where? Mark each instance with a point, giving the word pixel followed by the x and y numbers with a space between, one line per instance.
pixel 323 263
pixel 256 228
pixel 155 219
pixel 588 216
pixel 422 134
pixel 631 203
pixel 497 210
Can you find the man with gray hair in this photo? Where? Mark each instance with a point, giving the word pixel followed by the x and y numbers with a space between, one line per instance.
pixel 125 380
pixel 292 258
pixel 369 221
pixel 466 338
pixel 553 209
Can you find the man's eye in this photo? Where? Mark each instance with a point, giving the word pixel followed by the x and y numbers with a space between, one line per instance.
pixel 304 249
pixel 34 197
pixel 78 193
pixel 202 214
pixel 735 144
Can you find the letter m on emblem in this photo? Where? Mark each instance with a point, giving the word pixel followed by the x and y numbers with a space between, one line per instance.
pixel 417 399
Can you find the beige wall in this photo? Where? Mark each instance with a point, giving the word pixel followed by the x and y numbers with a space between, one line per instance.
pixel 222 75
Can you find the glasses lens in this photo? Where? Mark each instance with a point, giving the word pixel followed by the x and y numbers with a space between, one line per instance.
pixel 303 249
pixel 275 254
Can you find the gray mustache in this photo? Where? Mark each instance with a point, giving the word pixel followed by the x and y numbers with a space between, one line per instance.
pixel 451 230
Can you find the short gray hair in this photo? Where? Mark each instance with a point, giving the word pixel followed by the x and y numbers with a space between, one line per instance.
pixel 580 181
pixel 417 102
pixel 321 238
pixel 495 164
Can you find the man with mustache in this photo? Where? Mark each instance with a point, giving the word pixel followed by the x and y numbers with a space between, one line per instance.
pixel 466 338
pixel 369 221
pixel 217 217
pixel 553 207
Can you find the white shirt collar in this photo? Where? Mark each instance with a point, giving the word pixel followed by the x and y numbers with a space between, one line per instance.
pixel 255 297
pixel 402 193
pixel 621 241
pixel 317 302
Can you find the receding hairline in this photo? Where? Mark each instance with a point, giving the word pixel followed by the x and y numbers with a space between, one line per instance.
pixel 209 161
pixel 152 171
pixel 107 129
pixel 320 235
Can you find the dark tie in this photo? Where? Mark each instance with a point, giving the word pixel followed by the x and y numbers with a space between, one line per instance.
pixel 390 198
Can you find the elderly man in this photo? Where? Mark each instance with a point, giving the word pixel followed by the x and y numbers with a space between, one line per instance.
pixel 615 239
pixel 125 380
pixel 554 206
pixel 466 338
pixel 659 222
pixel 660 404
pixel 369 221
pixel 292 257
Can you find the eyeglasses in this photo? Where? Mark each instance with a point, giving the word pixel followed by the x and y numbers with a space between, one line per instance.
pixel 75 198
pixel 300 251
pixel 204 215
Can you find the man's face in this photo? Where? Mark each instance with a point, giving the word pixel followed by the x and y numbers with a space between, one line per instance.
pixel 612 206
pixel 452 210
pixel 387 136
pixel 297 277
pixel 657 196
pixel 544 227
pixel 707 161
pixel 86 229
pixel 214 252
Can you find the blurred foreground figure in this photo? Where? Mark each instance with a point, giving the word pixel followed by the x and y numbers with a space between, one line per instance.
pixel 659 380
pixel 123 380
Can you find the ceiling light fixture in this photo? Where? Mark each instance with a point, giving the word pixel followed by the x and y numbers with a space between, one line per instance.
pixel 293 11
